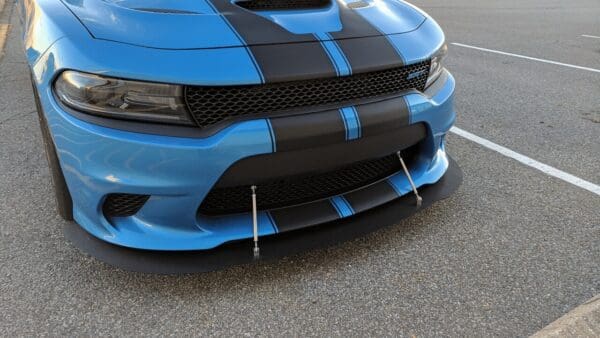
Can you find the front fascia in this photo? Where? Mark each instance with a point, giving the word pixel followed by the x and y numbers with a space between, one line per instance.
pixel 179 172
pixel 98 160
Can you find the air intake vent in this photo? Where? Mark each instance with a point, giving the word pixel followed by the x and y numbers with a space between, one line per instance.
pixel 282 5
pixel 301 188
pixel 123 205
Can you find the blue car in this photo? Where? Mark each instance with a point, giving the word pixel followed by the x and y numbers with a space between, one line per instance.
pixel 186 125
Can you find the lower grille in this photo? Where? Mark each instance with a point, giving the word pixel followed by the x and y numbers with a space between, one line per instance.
pixel 123 205
pixel 299 189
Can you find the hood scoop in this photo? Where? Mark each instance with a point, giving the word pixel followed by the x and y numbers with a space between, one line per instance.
pixel 156 6
pixel 282 5
pixel 164 10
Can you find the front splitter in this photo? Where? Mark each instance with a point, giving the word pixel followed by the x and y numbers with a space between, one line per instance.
pixel 271 247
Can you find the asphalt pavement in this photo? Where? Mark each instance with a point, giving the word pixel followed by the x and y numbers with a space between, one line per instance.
pixel 510 252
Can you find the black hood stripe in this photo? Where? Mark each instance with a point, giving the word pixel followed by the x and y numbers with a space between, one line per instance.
pixel 293 62
pixel 262 78
pixel 255 29
pixel 335 54
pixel 301 57
pixel 280 55
pixel 370 54
pixel 353 24
pixel 373 52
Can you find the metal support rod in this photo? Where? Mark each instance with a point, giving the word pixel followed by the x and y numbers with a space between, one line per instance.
pixel 256 249
pixel 410 180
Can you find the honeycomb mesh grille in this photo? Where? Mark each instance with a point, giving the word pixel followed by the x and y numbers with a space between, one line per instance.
pixel 211 105
pixel 299 189
pixel 123 205
pixel 263 5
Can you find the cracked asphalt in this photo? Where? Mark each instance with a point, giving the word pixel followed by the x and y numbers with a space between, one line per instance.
pixel 511 251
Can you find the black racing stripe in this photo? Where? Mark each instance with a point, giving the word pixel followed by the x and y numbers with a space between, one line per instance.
pixel 307 214
pixel 371 50
pixel 377 118
pixel 371 196
pixel 255 29
pixel 272 135
pixel 362 58
pixel 280 54
pixel 353 24
pixel 292 62
pixel 308 130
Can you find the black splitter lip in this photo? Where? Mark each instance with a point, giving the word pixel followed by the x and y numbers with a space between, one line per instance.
pixel 271 247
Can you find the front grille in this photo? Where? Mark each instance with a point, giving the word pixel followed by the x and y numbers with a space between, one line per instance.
pixel 264 5
pixel 123 205
pixel 299 189
pixel 211 105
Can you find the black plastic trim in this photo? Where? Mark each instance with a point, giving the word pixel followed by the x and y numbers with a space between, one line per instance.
pixel 271 247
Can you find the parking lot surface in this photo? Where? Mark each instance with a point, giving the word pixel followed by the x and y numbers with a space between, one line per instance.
pixel 511 251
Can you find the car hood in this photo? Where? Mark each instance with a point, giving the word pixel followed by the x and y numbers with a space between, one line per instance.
pixel 204 24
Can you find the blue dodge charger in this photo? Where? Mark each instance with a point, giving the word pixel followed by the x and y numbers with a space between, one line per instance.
pixel 185 125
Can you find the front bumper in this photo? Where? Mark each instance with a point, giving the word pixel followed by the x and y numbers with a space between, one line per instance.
pixel 272 247
pixel 178 173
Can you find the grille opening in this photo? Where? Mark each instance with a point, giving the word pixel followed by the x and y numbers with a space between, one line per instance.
pixel 265 5
pixel 301 189
pixel 211 105
pixel 123 205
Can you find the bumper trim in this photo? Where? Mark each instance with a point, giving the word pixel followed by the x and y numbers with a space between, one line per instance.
pixel 273 246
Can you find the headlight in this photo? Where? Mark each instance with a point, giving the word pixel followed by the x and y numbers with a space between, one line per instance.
pixel 436 65
pixel 124 99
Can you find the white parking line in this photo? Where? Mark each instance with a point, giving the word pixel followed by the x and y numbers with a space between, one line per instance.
pixel 581 183
pixel 3 35
pixel 591 36
pixel 527 57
